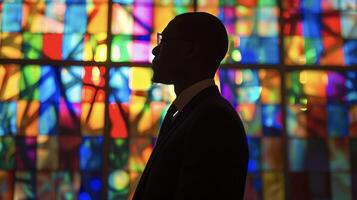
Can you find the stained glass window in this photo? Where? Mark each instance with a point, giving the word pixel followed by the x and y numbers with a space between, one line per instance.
pixel 321 129
pixel 252 26
pixel 79 114
pixel 320 32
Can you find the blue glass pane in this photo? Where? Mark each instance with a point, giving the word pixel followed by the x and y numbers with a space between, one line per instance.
pixel 337 124
pixel 7 118
pixel 259 50
pixel 72 46
pixel 75 18
pixel 351 86
pixel 310 6
pixel 254 163
pixel 124 1
pixel 72 82
pixel 297 154
pixel 311 25
pixel 11 17
pixel 271 119
pixel 49 85
pixel 119 84
pixel 91 153
pixel 48 118
pixel 350 52
pixel 91 186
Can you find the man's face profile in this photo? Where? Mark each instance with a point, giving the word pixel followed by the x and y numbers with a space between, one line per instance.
pixel 169 57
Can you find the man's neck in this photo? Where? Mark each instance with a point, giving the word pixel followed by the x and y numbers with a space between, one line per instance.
pixel 189 92
pixel 181 86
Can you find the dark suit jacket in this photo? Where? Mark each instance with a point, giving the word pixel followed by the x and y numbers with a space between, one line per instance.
pixel 203 154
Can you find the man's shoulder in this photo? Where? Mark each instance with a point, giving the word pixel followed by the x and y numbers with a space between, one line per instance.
pixel 216 107
pixel 216 104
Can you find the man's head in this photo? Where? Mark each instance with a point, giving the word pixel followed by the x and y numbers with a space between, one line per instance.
pixel 191 49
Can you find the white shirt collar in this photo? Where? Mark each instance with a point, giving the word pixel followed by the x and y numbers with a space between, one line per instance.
pixel 187 94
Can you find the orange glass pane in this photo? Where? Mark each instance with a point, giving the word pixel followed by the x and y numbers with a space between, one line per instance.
pixel 9 82
pixel 27 117
pixel 92 118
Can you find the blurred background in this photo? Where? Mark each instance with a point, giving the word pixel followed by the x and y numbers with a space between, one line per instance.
pixel 79 114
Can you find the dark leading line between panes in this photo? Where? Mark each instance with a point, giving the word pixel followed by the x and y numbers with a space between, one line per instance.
pixel 106 135
pixel 282 72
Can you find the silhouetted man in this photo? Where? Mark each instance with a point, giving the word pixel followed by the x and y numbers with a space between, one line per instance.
pixel 201 151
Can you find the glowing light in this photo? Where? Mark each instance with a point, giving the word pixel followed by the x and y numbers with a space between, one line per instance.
pixel 236 55
pixel 303 108
pixel 303 101
pixel 119 179
pixel 88 54
pixel 101 53
pixel 95 75
pixel 303 77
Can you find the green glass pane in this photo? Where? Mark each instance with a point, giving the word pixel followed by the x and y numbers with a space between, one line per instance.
pixel 227 2
pixel 313 48
pixel 32 45
pixel 294 88
pixel 29 82
pixel 120 48
pixel 181 10
pixel 266 3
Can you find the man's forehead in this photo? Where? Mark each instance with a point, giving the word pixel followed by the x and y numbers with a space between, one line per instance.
pixel 170 29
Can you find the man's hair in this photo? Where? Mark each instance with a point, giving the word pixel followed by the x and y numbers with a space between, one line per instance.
pixel 208 32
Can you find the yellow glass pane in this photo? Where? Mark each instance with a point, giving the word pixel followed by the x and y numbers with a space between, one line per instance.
pixel 208 3
pixel 101 53
pixel 27 117
pixel 294 47
pixel 140 78
pixel 273 186
pixel 98 18
pixel 314 83
pixel 11 44
pixel 157 109
pixel 33 15
pixel 212 10
pixel 140 116
pixel 9 82
pixel 95 48
pixel 92 118
pixel 163 15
